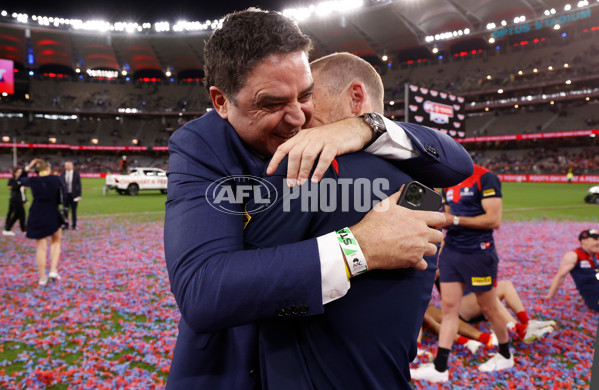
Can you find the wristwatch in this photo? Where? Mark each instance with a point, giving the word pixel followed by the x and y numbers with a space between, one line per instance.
pixel 456 220
pixel 377 124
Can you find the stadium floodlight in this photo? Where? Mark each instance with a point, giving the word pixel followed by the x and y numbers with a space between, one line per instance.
pixel 567 7
pixel 168 73
pixel 435 50
pixel 520 73
pixel 491 26
pixel 323 9
pixel 392 102
pixel 162 26
pixel 552 11
pixel 491 40
pixel 583 3
pixel 503 23
pixel 557 27
pixel 550 67
pixel 384 57
pixel 52 140
pixel 5 138
pixel 566 65
pixel 568 82
pixel 94 141
pixel 500 91
pixel 4 13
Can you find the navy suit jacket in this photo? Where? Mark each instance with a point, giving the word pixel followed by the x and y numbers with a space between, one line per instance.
pixel 75 184
pixel 367 339
pixel 223 289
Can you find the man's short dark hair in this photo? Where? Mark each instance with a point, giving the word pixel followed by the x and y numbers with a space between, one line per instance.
pixel 246 38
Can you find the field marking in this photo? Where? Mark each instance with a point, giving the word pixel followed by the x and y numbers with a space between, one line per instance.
pixel 548 208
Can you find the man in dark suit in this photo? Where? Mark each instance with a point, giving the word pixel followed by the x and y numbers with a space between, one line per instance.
pixel 260 84
pixel 72 181
pixel 367 339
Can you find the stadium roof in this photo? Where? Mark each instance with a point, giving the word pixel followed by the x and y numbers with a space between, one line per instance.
pixel 380 27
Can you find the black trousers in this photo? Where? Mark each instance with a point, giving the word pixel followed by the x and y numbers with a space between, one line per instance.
pixel 72 207
pixel 16 211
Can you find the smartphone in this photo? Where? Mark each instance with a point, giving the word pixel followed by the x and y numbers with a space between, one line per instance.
pixel 417 196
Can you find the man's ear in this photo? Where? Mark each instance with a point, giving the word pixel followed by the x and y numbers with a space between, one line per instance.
pixel 359 97
pixel 219 101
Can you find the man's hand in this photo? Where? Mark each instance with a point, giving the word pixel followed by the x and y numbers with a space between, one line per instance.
pixel 323 142
pixel 392 236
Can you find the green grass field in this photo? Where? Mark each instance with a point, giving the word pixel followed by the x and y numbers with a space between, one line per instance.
pixel 521 201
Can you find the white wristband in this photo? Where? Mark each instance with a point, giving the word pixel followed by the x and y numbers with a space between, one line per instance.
pixel 354 256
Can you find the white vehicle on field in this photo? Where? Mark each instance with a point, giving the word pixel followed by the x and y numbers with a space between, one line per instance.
pixel 592 195
pixel 137 180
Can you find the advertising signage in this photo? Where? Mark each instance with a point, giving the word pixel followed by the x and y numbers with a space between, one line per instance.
pixel 438 110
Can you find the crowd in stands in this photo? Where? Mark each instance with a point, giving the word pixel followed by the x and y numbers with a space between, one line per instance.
pixel 90 95
pixel 99 122
pixel 569 57
pixel 583 161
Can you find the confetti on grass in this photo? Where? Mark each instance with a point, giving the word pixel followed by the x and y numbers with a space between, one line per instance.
pixel 111 322
pixel 529 256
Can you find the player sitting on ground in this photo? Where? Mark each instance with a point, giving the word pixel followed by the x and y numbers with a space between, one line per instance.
pixel 527 330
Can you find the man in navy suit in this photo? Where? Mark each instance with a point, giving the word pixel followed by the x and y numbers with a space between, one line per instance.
pixel 260 84
pixel 72 181
pixel 367 339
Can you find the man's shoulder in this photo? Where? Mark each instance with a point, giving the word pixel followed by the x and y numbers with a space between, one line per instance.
pixel 362 164
pixel 206 127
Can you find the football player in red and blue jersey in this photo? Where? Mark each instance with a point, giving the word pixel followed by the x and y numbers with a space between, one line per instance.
pixel 582 264
pixel 469 261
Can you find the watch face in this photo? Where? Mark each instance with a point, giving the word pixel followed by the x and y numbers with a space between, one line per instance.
pixel 375 121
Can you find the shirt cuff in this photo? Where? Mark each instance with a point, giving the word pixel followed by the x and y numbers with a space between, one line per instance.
pixel 394 144
pixel 332 268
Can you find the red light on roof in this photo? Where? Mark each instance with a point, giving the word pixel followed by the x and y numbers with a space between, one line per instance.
pixel 523 43
pixel 473 52
pixel 463 53
pixel 536 40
